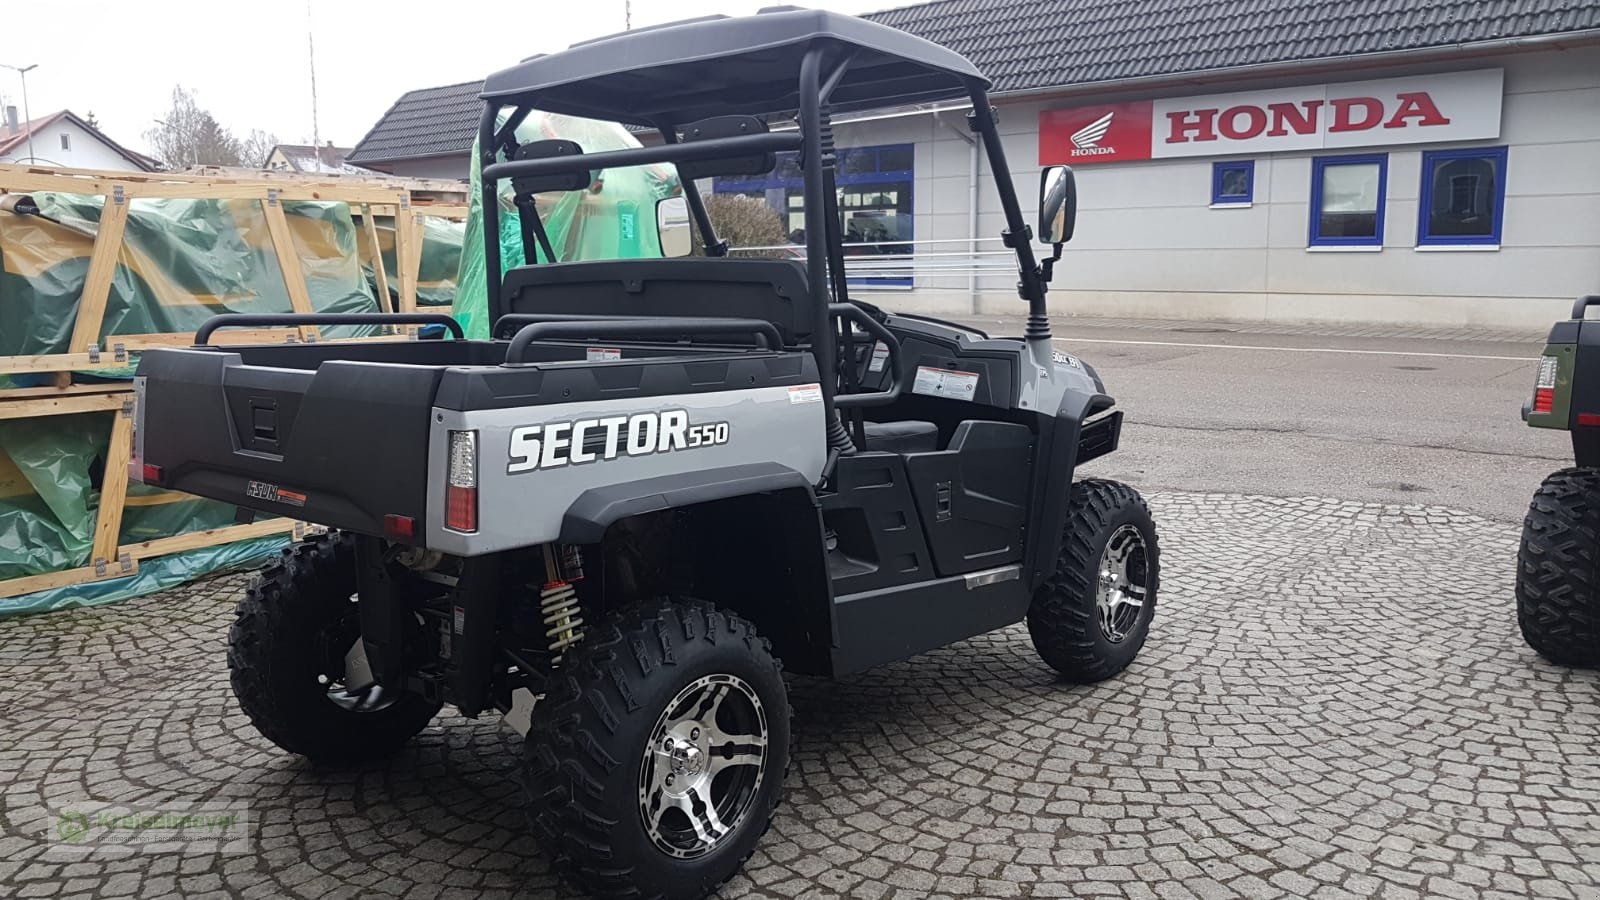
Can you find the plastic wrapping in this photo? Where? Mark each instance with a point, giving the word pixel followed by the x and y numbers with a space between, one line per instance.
pixel 180 263
pixel 47 509
pixel 436 271
pixel 614 219
pixel 154 575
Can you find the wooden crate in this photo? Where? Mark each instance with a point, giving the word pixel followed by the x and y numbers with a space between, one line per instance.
pixel 366 197
pixel 406 200
pixel 110 558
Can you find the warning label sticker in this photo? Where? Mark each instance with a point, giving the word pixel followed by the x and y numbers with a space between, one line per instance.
pixel 805 393
pixel 945 383
pixel 880 357
pixel 593 353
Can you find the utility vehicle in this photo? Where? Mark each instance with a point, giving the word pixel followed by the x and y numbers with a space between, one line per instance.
pixel 1558 602
pixel 675 472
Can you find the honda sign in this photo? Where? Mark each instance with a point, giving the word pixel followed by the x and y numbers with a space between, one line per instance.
pixel 1453 107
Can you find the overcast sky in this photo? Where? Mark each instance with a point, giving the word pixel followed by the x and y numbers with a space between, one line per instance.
pixel 247 59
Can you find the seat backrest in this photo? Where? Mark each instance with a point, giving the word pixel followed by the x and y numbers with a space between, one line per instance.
pixel 770 289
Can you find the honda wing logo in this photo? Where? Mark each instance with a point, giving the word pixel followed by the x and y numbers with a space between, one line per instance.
pixel 1088 137
pixel 1086 140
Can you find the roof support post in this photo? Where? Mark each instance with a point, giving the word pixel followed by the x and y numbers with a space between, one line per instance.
pixel 822 333
pixel 490 197
pixel 1017 235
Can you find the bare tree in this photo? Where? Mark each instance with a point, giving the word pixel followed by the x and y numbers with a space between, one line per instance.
pixel 191 136
pixel 255 149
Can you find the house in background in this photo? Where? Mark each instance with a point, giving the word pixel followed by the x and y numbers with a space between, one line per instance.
pixel 308 160
pixel 427 133
pixel 65 140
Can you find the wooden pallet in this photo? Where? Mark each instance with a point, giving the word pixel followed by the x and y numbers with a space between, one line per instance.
pixel 110 558
pixel 366 198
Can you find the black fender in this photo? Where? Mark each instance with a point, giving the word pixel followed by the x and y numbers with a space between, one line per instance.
pixel 597 509
pixel 1059 438
pixel 748 538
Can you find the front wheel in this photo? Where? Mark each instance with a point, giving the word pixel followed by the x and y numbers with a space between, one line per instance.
pixel 1091 616
pixel 657 757
pixel 1557 605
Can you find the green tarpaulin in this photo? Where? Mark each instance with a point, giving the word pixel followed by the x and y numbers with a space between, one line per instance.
pixel 614 219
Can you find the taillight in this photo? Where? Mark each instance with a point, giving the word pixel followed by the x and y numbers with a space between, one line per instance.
pixel 461 487
pixel 1544 388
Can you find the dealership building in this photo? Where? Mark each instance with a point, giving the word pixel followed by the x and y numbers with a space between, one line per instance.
pixel 1419 161
pixel 1430 162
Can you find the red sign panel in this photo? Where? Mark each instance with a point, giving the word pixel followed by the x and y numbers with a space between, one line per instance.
pixel 1452 106
pixel 1113 132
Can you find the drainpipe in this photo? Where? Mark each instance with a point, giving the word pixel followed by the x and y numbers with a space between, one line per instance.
pixel 966 134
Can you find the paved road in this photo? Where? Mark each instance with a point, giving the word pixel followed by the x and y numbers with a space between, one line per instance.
pixel 1334 701
pixel 1378 414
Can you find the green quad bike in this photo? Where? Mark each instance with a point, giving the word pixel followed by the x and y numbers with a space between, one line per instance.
pixel 1558 597
pixel 612 526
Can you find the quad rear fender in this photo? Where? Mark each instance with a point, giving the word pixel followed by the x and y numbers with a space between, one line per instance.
pixel 747 538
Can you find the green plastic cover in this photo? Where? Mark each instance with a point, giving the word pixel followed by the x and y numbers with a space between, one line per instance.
pixel 614 219
pixel 180 263
pixel 436 272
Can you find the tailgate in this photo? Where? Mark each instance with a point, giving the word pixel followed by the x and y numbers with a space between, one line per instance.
pixel 342 444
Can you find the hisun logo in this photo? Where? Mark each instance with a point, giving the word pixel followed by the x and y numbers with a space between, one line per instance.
pixel 557 444
pixel 1086 140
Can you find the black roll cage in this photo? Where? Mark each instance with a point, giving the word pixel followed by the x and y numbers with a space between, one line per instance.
pixel 821 227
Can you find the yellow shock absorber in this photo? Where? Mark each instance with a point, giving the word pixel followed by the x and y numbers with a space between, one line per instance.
pixel 559 609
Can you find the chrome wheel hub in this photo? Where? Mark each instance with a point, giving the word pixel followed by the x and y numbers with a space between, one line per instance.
pixel 1121 588
pixel 704 766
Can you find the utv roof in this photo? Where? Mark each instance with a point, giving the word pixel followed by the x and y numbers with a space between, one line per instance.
pixel 721 65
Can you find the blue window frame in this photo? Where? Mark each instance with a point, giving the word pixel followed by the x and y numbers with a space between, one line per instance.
pixel 1347 200
pixel 1463 197
pixel 875 205
pixel 1233 183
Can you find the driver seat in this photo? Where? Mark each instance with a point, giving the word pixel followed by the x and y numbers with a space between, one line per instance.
pixel 902 437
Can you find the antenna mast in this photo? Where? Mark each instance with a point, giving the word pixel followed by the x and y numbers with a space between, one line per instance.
pixel 311 57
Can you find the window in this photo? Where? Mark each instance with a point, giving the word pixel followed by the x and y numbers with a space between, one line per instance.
pixel 1463 198
pixel 1347 195
pixel 66 142
pixel 875 212
pixel 1233 183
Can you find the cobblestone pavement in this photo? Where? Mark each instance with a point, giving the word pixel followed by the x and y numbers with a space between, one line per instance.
pixel 1334 702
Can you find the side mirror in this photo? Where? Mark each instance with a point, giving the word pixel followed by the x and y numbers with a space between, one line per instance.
pixel 672 225
pixel 1058 204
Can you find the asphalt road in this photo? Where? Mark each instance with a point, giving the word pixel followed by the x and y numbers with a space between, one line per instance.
pixel 1412 418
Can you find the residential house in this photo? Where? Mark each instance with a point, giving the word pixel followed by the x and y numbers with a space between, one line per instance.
pixel 64 139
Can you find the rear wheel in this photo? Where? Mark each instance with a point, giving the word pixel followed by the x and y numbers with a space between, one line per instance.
pixel 1557 605
pixel 295 661
pixel 656 759
pixel 1090 618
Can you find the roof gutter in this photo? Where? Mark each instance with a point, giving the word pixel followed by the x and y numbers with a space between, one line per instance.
pixel 1321 63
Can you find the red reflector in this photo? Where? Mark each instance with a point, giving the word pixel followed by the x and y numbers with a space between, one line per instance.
pixel 401 527
pixel 1589 420
pixel 1544 400
pixel 461 508
pixel 151 473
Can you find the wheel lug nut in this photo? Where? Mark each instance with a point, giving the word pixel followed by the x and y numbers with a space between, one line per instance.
pixel 694 734
pixel 669 779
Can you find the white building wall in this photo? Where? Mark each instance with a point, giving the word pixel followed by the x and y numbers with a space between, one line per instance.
pixel 1148 243
pixel 84 150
